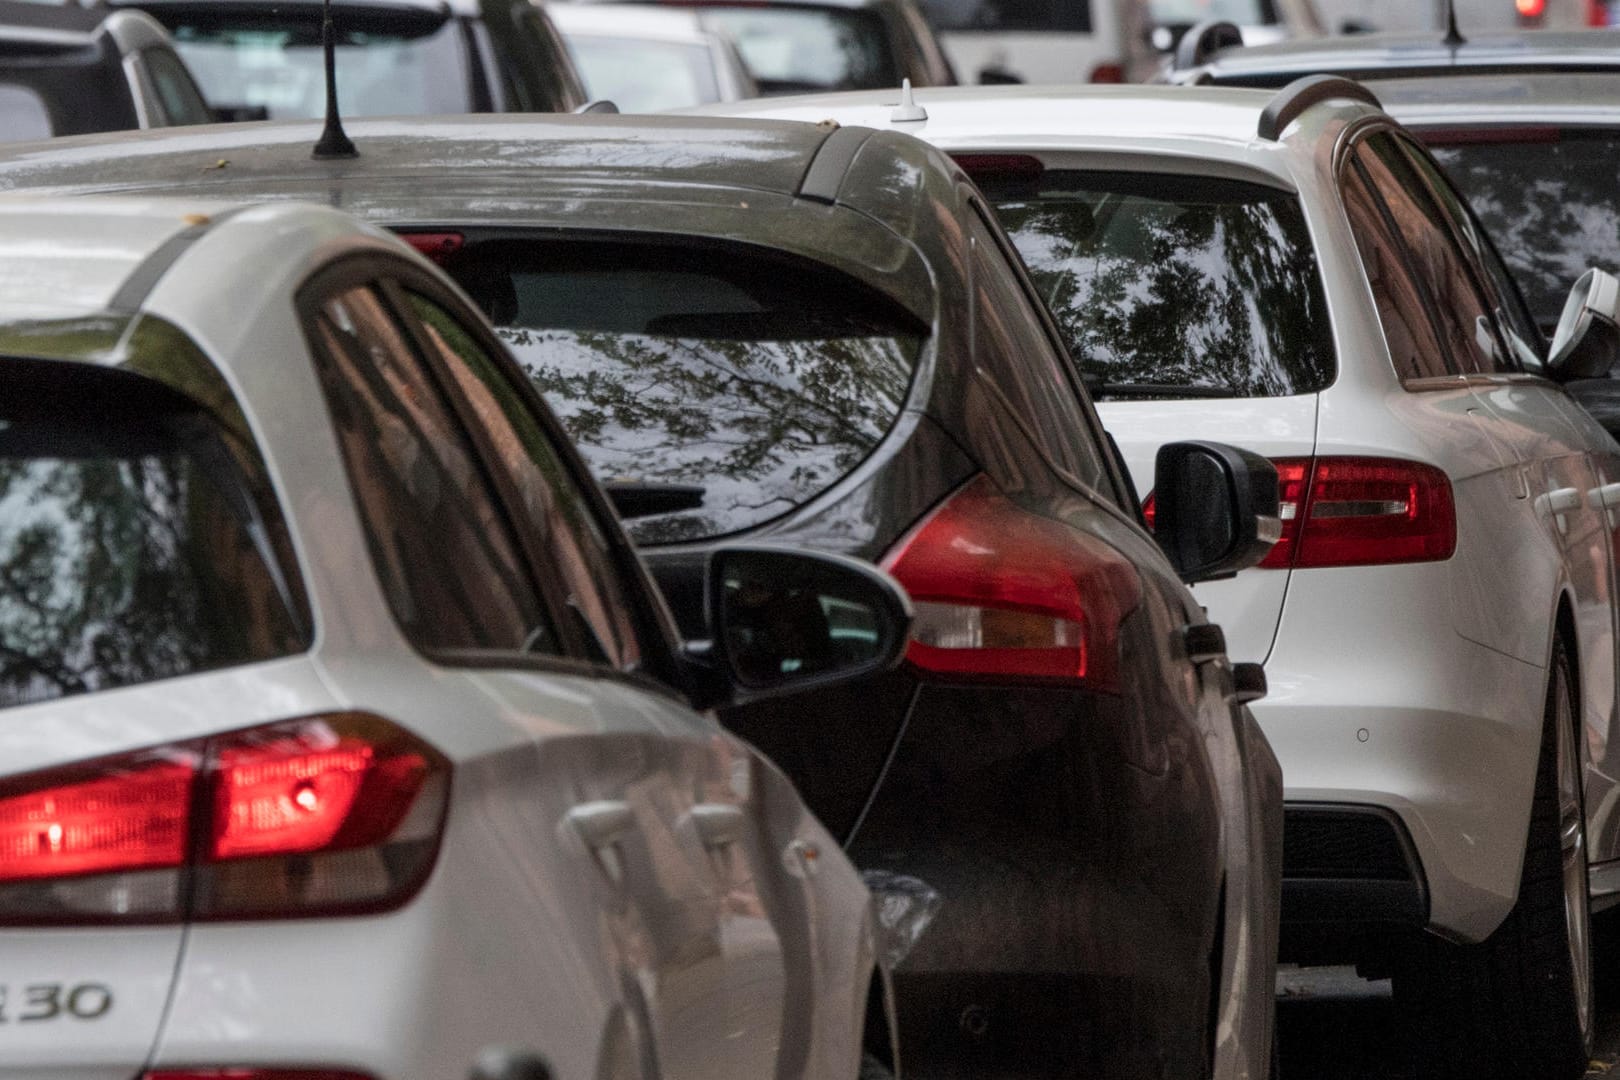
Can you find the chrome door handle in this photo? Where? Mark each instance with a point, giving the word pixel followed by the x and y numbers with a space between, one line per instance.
pixel 601 824
pixel 1605 497
pixel 718 824
pixel 1563 500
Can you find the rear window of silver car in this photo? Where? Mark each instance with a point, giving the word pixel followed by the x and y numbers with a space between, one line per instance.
pixel 788 48
pixel 760 382
pixel 134 544
pixel 643 75
pixel 1174 286
pixel 390 62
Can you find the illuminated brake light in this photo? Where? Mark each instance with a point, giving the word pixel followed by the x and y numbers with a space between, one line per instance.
pixel 438 246
pixel 1001 592
pixel 1530 9
pixel 323 815
pixel 1362 511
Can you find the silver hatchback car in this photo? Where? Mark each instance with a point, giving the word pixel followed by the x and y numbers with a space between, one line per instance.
pixel 342 733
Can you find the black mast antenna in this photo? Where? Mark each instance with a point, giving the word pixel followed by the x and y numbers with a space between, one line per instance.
pixel 1453 36
pixel 333 142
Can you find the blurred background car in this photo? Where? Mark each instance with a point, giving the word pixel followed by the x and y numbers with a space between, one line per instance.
pixel 1046 41
pixel 645 57
pixel 67 70
pixel 1290 271
pixel 818 336
pixel 345 733
pixel 799 46
pixel 258 59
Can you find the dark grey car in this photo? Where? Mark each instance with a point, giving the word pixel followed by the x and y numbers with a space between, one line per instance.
pixel 819 336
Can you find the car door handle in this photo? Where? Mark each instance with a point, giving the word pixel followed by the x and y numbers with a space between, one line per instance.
pixel 1563 500
pixel 718 824
pixel 602 823
pixel 1605 497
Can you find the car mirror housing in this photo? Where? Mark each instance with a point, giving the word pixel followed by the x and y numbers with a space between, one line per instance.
pixel 1587 341
pixel 1216 508
pixel 782 620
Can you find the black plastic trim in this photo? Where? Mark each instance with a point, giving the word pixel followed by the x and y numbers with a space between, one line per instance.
pixel 825 176
pixel 1301 94
pixel 1204 40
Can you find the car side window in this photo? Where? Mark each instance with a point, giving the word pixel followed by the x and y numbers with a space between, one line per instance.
pixel 1465 322
pixel 444 552
pixel 1026 367
pixel 1413 347
pixel 1513 318
pixel 547 501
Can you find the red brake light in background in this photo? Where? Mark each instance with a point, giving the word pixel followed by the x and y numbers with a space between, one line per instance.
pixel 1108 73
pixel 437 246
pixel 1001 592
pixel 1530 10
pixel 327 814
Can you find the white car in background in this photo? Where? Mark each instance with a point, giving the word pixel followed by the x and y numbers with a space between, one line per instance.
pixel 644 58
pixel 1045 41
pixel 342 733
pixel 1289 271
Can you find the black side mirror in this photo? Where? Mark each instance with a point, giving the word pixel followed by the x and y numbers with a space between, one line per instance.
pixel 1586 343
pixel 996 75
pixel 506 1063
pixel 782 620
pixel 1216 508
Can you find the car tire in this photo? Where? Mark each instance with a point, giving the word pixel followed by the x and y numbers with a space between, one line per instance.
pixel 1519 1003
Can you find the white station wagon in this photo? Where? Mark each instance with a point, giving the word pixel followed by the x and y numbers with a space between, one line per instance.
pixel 1289 271
pixel 342 736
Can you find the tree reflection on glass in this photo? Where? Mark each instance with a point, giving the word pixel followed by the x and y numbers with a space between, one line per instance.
pixel 1177 282
pixel 120 567
pixel 761 424
pixel 1548 203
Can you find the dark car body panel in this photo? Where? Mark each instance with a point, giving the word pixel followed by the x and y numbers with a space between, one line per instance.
pixel 1073 834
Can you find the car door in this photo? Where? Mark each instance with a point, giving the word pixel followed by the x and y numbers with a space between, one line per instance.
pixel 701 919
pixel 1578 456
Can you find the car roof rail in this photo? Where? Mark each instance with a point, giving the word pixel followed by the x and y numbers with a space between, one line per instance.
pixel 1204 40
pixel 1301 94
pixel 600 105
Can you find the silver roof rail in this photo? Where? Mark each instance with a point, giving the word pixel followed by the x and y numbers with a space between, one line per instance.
pixel 1203 41
pixel 1301 94
pixel 600 105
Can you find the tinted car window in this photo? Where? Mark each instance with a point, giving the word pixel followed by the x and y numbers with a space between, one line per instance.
pixel 390 61
pixel 760 382
pixel 1025 366
pixel 550 506
pixel 787 48
pixel 1547 197
pixel 1408 328
pixel 1467 331
pixel 639 75
pixel 132 543
pixel 442 548
pixel 181 101
pixel 1070 16
pixel 22 114
pixel 1201 286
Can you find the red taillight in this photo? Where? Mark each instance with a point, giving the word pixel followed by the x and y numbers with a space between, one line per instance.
pixel 1530 10
pixel 254 1074
pixel 437 246
pixel 324 815
pixel 122 815
pixel 1150 511
pixel 1359 511
pixel 1108 73
pixel 1001 592
pixel 1597 13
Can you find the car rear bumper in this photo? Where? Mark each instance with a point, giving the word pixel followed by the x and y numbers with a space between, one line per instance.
pixel 1351 880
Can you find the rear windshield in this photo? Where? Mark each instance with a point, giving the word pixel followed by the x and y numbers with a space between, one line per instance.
pixel 1067 16
pixel 1547 199
pixel 390 61
pixel 131 543
pixel 1169 286
pixel 788 49
pixel 758 382
pixel 641 76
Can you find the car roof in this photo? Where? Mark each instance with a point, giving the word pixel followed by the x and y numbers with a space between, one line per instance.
pixel 1205 121
pixel 640 21
pixel 1536 97
pixel 1382 56
pixel 446 7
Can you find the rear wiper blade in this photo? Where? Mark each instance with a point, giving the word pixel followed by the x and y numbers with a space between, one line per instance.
pixel 1161 390
pixel 643 498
